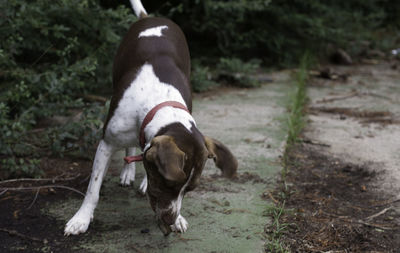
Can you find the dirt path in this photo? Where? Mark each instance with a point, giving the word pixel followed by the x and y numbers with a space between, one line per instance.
pixel 345 176
pixel 223 215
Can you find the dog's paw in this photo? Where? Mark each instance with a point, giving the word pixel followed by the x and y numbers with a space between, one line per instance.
pixel 78 224
pixel 143 186
pixel 127 175
pixel 181 225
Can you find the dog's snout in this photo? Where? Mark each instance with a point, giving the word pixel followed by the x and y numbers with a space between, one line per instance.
pixel 168 218
pixel 165 229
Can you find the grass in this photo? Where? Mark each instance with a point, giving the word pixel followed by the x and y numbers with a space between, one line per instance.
pixel 296 118
pixel 277 229
pixel 295 123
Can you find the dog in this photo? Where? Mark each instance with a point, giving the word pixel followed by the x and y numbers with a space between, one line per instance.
pixel 151 109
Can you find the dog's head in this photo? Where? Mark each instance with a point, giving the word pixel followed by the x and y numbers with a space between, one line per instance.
pixel 174 163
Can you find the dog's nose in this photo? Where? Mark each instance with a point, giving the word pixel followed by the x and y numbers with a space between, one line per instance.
pixel 165 229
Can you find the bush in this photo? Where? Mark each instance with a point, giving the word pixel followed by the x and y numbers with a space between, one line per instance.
pixel 52 54
pixel 277 31
pixel 238 73
pixel 201 78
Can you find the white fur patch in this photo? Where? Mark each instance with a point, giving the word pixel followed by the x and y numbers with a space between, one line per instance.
pixel 177 204
pixel 154 31
pixel 144 93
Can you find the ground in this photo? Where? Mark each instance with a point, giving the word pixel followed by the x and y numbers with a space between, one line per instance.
pixel 340 191
pixel 342 186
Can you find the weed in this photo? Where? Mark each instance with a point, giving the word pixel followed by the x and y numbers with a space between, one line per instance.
pixel 276 230
pixel 295 119
pixel 295 124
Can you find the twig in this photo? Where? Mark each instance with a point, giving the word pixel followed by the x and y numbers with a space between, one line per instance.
pixel 388 202
pixel 4 191
pixel 378 214
pixel 34 199
pixel 95 98
pixel 372 225
pixel 186 239
pixel 43 54
pixel 42 187
pixel 328 100
pixel 15 233
pixel 136 249
pixel 308 141
pixel 272 197
pixel 38 179
pixel 348 219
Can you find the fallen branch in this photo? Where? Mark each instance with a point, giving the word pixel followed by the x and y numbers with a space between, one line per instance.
pixel 388 202
pixel 135 249
pixel 308 141
pixel 379 214
pixel 349 220
pixel 95 98
pixel 372 225
pixel 34 199
pixel 15 233
pixel 328 100
pixel 41 187
pixel 272 197
pixel 4 191
pixel 38 179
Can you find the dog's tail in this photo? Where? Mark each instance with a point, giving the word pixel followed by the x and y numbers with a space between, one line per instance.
pixel 138 8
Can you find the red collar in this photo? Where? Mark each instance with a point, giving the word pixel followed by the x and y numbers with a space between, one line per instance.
pixel 149 116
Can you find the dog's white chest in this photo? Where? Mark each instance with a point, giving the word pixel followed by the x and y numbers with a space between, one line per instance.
pixel 144 93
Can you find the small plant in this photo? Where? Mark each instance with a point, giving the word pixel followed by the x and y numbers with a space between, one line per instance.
pixel 236 72
pixel 276 230
pixel 52 56
pixel 202 79
pixel 296 121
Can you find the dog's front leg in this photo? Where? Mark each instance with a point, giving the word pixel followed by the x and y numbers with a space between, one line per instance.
pixel 80 222
pixel 128 172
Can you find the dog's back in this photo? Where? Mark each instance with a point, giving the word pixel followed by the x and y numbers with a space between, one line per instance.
pixel 160 43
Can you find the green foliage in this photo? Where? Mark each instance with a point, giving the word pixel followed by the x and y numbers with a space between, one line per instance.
pixel 52 53
pixel 236 72
pixel 201 78
pixel 277 31
pixel 230 71
pixel 296 120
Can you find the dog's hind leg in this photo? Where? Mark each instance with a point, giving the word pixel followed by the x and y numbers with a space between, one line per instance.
pixel 128 172
pixel 80 222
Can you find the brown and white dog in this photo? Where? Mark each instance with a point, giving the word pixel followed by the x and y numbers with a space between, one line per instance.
pixel 150 108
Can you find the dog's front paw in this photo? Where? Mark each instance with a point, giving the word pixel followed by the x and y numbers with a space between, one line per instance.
pixel 143 186
pixel 181 225
pixel 127 175
pixel 78 224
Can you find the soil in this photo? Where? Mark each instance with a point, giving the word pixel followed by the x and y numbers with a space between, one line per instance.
pixel 23 227
pixel 341 190
pixel 334 207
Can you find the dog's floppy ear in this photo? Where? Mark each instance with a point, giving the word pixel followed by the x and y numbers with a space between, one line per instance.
pixel 168 158
pixel 222 156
